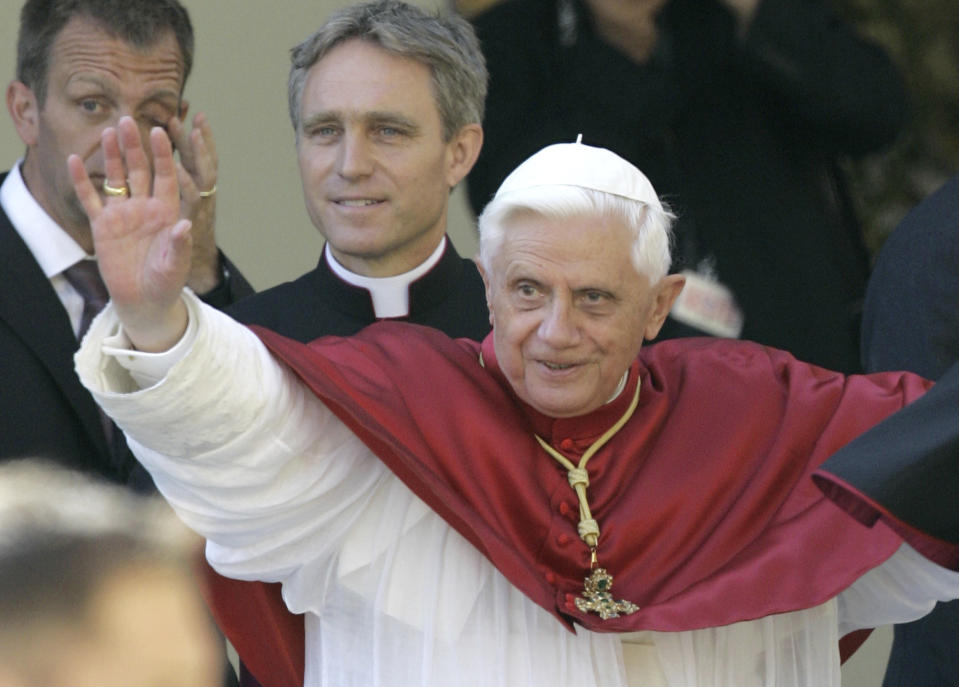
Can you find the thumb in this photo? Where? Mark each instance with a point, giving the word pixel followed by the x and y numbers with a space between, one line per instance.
pixel 181 231
pixel 176 253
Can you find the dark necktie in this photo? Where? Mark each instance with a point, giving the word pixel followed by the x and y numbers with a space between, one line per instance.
pixel 84 276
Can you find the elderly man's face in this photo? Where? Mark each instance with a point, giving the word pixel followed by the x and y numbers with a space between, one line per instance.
pixel 569 310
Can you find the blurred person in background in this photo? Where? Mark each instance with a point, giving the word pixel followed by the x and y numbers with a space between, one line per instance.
pixel 911 322
pixel 739 111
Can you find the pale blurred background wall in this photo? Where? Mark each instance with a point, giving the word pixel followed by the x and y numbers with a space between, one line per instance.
pixel 239 80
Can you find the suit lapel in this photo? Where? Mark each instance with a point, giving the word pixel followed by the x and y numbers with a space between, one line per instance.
pixel 29 307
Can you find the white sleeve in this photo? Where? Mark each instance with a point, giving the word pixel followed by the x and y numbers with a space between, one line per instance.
pixel 247 455
pixel 904 588
pixel 148 369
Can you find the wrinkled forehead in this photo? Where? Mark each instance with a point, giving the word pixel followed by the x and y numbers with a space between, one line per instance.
pixel 85 46
pixel 584 243
pixel 592 223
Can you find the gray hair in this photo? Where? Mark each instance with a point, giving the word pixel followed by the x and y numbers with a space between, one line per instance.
pixel 651 227
pixel 138 22
pixel 446 43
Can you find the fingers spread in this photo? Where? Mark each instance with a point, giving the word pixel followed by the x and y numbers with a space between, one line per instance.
pixel 188 190
pixel 197 151
pixel 86 193
pixel 137 162
pixel 165 186
pixel 180 139
pixel 113 166
pixel 202 123
pixel 204 170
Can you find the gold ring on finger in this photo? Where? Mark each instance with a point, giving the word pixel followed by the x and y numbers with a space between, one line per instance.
pixel 115 190
pixel 207 194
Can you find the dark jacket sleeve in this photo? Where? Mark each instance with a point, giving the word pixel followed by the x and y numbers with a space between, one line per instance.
pixel 908 465
pixel 231 289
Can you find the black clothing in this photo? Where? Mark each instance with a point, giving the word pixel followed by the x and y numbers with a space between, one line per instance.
pixel 740 135
pixel 909 463
pixel 911 317
pixel 44 410
pixel 911 322
pixel 450 297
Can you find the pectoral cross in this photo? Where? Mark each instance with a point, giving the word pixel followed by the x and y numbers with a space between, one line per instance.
pixel 597 599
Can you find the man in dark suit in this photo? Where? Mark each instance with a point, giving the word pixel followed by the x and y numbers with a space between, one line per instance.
pixel 911 322
pixel 81 66
pixel 387 104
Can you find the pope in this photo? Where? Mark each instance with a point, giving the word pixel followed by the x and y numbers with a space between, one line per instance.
pixel 555 505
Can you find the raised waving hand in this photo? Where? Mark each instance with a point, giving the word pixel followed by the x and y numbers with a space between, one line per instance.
pixel 143 246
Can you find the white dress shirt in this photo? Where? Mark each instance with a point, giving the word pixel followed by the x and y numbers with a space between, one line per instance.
pixel 52 248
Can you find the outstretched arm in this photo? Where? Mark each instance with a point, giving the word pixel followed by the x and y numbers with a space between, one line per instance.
pixel 143 247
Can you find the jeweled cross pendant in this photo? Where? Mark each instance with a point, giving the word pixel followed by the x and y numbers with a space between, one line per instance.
pixel 597 599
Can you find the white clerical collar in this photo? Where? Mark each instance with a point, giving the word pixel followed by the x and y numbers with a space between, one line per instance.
pixel 390 295
pixel 53 249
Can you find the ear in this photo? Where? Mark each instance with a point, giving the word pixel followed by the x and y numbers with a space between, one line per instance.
pixel 24 111
pixel 462 151
pixel 667 291
pixel 488 288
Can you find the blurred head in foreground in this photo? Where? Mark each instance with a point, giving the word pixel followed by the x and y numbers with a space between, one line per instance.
pixel 96 587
